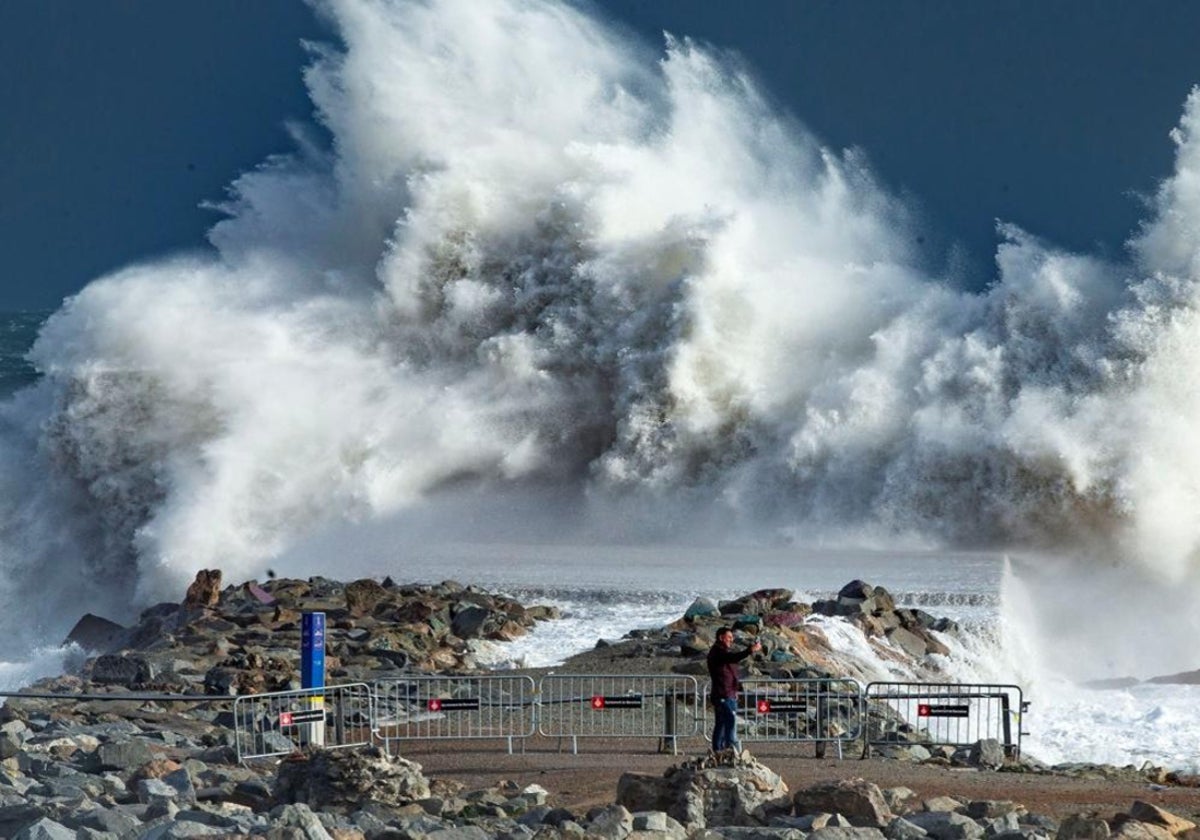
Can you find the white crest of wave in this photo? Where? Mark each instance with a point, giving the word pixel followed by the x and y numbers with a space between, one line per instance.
pixel 537 258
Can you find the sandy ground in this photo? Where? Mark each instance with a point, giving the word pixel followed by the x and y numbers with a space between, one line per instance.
pixel 587 779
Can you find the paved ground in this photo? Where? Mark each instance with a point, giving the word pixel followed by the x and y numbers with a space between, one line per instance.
pixel 579 782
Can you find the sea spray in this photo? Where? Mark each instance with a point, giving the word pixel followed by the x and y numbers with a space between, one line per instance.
pixel 544 281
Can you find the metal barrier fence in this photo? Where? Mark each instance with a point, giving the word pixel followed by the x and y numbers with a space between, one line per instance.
pixel 666 707
pixel 454 707
pixel 942 714
pixel 817 711
pixel 284 721
pixel 662 706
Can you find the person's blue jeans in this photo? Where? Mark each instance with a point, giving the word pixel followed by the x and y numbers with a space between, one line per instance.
pixel 725 728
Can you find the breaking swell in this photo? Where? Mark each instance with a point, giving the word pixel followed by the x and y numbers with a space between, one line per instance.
pixel 547 284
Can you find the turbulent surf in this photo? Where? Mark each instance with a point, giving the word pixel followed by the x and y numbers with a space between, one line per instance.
pixel 527 279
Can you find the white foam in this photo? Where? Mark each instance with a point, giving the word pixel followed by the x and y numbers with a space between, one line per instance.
pixel 550 285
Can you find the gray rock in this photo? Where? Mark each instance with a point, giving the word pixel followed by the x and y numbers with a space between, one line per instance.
pixel 997 826
pixel 613 822
pixel 93 834
pixel 150 791
pixel 45 829
pixel 124 755
pixel 535 816
pixel 10 743
pixel 734 832
pixel 181 782
pixel 116 820
pixel 899 798
pixel 701 608
pixel 986 753
pixel 811 822
pixel 947 825
pixel 15 816
pixel 699 795
pixel 908 641
pixel 178 829
pixel 942 803
pixel 341 780
pixel 468 620
pixel 902 829
pixel 460 832
pixel 859 801
pixel 853 833
pixel 301 817
pixel 656 821
pixel 1083 827
pixel 981 809
pixel 128 670
pixel 92 632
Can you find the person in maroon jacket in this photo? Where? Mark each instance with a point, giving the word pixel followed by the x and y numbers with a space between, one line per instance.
pixel 723 669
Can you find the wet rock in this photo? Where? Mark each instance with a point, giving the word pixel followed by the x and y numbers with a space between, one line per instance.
pixel 127 670
pixel 701 608
pixel 95 633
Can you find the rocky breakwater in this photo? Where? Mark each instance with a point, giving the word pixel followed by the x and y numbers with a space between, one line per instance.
pixel 706 799
pixel 903 642
pixel 120 752
pixel 245 639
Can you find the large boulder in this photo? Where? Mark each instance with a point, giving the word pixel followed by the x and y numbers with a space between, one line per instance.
pixel 341 780
pixel 94 633
pixel 129 671
pixel 699 793
pixel 362 596
pixel 859 801
pixel 205 590
pixel 1145 812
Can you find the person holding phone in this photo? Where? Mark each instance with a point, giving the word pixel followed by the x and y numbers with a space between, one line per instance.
pixel 723 670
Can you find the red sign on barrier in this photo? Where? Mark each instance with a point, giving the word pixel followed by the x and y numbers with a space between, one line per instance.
pixel 453 704
pixel 779 705
pixel 618 701
pixel 304 716
pixel 929 710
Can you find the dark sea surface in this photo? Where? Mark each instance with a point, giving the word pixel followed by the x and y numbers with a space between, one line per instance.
pixel 17 333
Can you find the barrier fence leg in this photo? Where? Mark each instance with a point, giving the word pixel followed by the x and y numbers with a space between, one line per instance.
pixel 668 727
pixel 1006 719
pixel 820 749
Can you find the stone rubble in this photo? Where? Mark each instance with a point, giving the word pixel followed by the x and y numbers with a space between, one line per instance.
pixel 163 769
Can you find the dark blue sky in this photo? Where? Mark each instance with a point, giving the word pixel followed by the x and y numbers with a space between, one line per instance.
pixel 120 117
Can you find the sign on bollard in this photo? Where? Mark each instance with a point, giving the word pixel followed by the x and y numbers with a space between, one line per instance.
pixel 312 670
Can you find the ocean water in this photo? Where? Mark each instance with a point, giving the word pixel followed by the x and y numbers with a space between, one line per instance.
pixel 17 332
pixel 559 310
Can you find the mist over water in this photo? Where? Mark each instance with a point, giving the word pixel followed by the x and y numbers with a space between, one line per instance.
pixel 545 283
